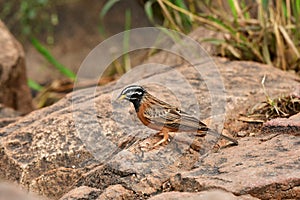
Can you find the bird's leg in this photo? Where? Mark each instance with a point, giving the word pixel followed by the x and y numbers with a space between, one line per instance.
pixel 159 133
pixel 165 138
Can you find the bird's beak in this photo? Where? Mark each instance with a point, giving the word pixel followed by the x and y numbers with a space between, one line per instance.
pixel 121 97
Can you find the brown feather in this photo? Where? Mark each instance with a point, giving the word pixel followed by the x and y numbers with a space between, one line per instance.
pixel 161 116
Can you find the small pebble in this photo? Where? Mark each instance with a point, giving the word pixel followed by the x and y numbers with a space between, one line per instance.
pixel 252 134
pixel 242 134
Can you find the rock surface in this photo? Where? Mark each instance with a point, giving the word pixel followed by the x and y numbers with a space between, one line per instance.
pixel 116 192
pixel 91 145
pixel 266 168
pixel 205 195
pixel 7 115
pixel 289 125
pixel 14 192
pixel 13 82
pixel 83 193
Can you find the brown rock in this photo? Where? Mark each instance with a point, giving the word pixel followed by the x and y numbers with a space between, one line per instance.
pixel 264 169
pixel 201 33
pixel 6 121
pixel 116 192
pixel 13 82
pixel 8 112
pixel 96 142
pixel 82 193
pixel 289 125
pixel 42 156
pixel 205 195
pixel 14 192
pixel 51 181
pixel 7 115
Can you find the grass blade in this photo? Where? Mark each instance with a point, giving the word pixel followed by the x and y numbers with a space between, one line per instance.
pixel 48 56
pixel 34 85
pixel 233 9
pixel 289 41
pixel 279 48
pixel 108 5
pixel 186 19
pixel 167 13
pixel 149 10
pixel 126 41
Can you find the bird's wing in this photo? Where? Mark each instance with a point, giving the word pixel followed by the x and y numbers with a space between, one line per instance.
pixel 189 122
pixel 173 118
pixel 162 116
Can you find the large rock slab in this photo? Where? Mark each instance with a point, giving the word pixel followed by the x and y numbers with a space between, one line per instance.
pixel 211 194
pixel 15 92
pixel 90 142
pixel 266 168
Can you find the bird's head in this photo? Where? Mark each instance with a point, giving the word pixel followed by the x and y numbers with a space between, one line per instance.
pixel 134 94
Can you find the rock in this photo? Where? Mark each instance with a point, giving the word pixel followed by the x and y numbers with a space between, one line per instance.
pixel 205 195
pixel 87 139
pixel 8 112
pixel 289 125
pixel 201 33
pixel 15 92
pixel 116 192
pixel 82 193
pixel 6 121
pixel 36 154
pixel 7 115
pixel 14 192
pixel 242 134
pixel 266 169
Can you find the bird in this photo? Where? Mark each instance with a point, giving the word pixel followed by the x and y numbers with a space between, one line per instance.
pixel 163 117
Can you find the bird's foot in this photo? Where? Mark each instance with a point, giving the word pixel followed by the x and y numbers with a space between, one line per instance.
pixel 165 139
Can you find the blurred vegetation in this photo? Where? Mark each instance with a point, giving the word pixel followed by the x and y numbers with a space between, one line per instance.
pixel 123 64
pixel 266 31
pixel 261 30
pixel 31 17
pixel 48 56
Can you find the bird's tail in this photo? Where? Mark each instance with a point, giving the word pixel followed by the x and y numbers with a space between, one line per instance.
pixel 215 133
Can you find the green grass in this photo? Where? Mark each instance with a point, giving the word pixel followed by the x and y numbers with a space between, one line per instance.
pixel 50 58
pixel 34 85
pixel 126 41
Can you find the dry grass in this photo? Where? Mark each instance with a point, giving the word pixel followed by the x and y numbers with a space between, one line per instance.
pixel 273 108
pixel 263 30
pixel 285 106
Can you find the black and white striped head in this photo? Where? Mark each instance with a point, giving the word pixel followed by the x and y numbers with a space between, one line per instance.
pixel 134 94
